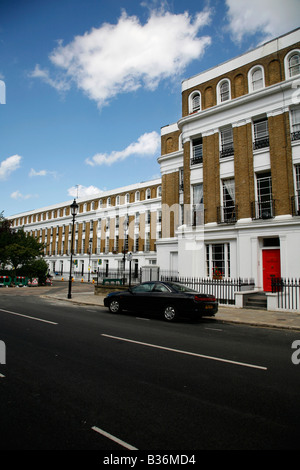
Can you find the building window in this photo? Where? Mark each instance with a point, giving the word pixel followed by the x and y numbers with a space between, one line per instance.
pixel 223 91
pixel 159 191
pixel 295 121
pixel 116 247
pixel 256 78
pixel 226 136
pixel 198 207
pixel 108 202
pixel 197 151
pixel 218 260
pixel 261 133
pixel 296 205
pixel 147 242
pixel 264 207
pixel 136 243
pixel 148 194
pixel 148 217
pixel 137 196
pixel 107 245
pixel 194 102
pixel 117 200
pixel 227 212
pixel 294 64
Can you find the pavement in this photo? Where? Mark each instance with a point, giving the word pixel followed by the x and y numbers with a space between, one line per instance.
pixel 83 293
pixel 231 314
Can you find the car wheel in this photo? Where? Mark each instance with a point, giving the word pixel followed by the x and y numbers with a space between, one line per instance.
pixel 169 313
pixel 114 306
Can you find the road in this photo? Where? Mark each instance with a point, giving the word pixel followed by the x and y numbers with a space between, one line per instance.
pixel 78 377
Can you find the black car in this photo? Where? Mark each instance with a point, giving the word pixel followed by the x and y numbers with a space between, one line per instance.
pixel 170 299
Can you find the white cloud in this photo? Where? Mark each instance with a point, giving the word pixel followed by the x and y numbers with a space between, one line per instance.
pixel 147 145
pixel 9 165
pixel 270 17
pixel 59 84
pixel 83 191
pixel 33 172
pixel 18 195
pixel 122 57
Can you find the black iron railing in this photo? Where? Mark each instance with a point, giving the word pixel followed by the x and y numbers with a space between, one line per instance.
pixel 288 293
pixel 263 209
pixel 222 289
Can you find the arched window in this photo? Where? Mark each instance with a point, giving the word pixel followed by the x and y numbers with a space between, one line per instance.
pixel 127 198
pixel 292 64
pixel 194 102
pixel 148 194
pixel 117 200
pixel 256 78
pixel 137 196
pixel 159 191
pixel 223 92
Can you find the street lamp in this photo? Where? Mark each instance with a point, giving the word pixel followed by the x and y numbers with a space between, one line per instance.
pixel 90 252
pixel 74 210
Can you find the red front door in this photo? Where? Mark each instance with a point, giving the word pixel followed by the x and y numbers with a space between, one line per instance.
pixel 271 267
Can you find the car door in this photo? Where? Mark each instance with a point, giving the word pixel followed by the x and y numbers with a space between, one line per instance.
pixel 141 297
pixel 160 296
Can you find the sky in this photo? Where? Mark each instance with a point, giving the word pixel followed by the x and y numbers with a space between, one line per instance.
pixel 86 85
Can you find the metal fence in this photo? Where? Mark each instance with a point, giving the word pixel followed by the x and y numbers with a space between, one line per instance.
pixel 288 293
pixel 222 289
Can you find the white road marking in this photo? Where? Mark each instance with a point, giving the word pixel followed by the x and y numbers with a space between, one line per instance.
pixel 113 438
pixel 27 316
pixel 253 366
pixel 213 329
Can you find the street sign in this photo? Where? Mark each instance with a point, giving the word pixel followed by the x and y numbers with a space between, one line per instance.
pixel 129 256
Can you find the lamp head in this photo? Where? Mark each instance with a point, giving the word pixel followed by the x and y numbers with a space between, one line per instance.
pixel 74 208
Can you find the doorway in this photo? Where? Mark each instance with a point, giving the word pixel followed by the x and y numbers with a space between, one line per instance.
pixel 271 267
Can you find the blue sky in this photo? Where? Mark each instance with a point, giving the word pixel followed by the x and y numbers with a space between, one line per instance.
pixel 89 84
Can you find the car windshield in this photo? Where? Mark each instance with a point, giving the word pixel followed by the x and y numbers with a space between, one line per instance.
pixel 181 287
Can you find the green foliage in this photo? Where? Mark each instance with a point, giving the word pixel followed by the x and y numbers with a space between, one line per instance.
pixel 17 249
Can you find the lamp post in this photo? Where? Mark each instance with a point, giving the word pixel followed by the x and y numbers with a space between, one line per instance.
pixel 90 252
pixel 74 210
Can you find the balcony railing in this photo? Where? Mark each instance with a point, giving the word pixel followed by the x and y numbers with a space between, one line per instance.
pixel 227 151
pixel 227 215
pixel 261 143
pixel 263 209
pixel 295 136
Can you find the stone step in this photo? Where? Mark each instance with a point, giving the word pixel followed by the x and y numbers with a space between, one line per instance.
pixel 258 301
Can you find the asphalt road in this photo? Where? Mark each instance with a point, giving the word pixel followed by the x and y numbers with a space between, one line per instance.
pixel 77 377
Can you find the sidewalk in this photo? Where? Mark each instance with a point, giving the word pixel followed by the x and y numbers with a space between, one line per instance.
pixel 263 318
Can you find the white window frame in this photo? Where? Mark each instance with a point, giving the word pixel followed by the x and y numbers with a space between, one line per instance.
pixel 287 64
pixel 251 82
pixel 192 107
pixel 219 91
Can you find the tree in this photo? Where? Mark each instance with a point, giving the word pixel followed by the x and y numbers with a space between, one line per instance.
pixel 17 248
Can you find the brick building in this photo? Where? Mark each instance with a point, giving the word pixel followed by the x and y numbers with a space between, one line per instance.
pixel 228 201
pixel 230 169
pixel 127 217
